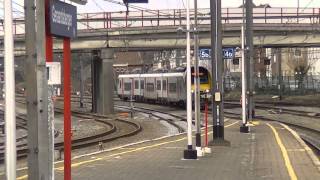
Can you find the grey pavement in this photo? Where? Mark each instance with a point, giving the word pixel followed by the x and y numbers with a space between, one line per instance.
pixel 251 156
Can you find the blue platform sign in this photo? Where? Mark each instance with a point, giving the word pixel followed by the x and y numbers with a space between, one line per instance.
pixel 205 54
pixel 63 19
pixel 135 1
pixel 227 53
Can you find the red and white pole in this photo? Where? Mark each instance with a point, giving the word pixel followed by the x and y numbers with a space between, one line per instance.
pixel 206 148
pixel 206 121
pixel 67 107
pixel 10 114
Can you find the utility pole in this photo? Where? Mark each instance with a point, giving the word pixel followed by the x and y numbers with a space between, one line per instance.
pixel 197 80
pixel 189 153
pixel 244 70
pixel 37 91
pixel 249 57
pixel 216 73
pixel 10 114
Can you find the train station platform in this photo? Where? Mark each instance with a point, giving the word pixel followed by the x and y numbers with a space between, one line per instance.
pixel 269 151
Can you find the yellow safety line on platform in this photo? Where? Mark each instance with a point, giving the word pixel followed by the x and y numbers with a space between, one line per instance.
pixel 121 153
pixel 285 155
pixel 22 177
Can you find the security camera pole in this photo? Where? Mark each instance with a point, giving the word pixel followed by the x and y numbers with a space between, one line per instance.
pixel 189 153
pixel 216 73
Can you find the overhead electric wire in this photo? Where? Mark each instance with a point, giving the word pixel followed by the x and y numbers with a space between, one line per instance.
pixel 99 6
pixel 138 8
pixel 18 4
pixel 307 5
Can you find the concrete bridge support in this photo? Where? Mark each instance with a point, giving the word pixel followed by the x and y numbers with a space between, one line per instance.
pixel 102 82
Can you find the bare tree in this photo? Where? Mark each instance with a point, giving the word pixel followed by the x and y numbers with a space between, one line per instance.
pixel 300 64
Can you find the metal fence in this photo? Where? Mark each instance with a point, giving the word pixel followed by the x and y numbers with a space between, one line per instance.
pixel 177 17
pixel 290 85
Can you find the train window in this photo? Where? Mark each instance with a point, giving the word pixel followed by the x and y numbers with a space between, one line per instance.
pixel 127 86
pixel 172 87
pixel 142 84
pixel 164 85
pixel 150 87
pixel 158 85
pixel 136 84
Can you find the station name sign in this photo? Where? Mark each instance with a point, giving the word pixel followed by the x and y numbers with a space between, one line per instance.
pixel 227 53
pixel 63 19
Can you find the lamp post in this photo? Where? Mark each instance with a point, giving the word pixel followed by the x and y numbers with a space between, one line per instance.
pixel 244 128
pixel 197 80
pixel 189 153
pixel 10 115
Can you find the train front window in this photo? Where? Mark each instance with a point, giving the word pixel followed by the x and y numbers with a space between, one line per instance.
pixel 203 75
pixel 203 79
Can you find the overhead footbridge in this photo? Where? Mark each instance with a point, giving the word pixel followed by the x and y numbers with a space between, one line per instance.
pixel 163 29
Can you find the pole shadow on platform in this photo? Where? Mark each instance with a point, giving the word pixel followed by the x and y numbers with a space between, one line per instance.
pixel 217 68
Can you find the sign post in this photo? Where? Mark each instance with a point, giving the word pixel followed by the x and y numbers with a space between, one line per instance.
pixel 189 153
pixel 62 19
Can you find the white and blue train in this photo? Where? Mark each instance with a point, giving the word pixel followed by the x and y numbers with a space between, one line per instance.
pixel 164 88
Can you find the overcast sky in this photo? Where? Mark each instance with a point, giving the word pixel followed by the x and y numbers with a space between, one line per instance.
pixel 104 5
pixel 98 5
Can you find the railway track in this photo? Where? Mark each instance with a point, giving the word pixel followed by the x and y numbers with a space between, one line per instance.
pixel 259 105
pixel 127 129
pixel 168 117
pixel 309 135
pixel 280 110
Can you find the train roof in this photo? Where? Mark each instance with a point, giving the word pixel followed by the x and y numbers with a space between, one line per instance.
pixel 129 75
pixel 152 75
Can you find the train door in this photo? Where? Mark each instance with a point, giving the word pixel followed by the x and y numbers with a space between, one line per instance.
pixel 158 88
pixel 164 88
pixel 119 88
pixel 127 87
pixel 136 88
pixel 172 89
pixel 142 80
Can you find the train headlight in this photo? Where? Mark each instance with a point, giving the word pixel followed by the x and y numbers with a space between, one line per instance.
pixel 207 90
pixel 192 91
